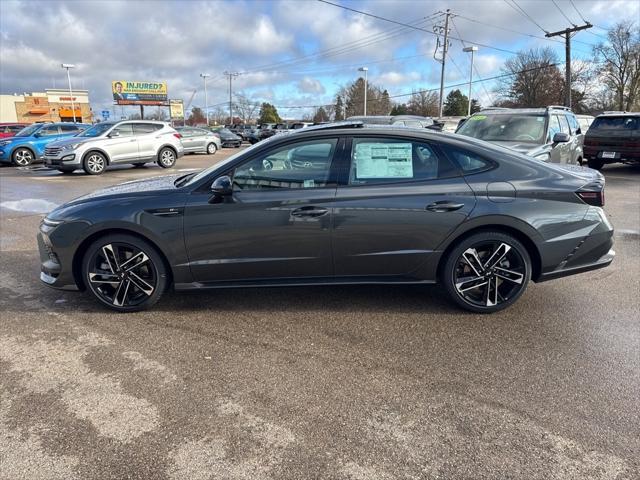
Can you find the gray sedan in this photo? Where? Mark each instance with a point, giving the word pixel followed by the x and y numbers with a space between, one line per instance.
pixel 199 140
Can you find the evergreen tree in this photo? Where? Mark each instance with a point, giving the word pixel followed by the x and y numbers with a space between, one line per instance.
pixel 268 114
pixel 399 109
pixel 320 116
pixel 339 109
pixel 455 104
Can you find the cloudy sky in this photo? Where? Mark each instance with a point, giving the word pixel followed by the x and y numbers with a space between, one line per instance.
pixel 290 52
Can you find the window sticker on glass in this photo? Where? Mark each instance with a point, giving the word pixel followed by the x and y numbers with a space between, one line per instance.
pixel 475 118
pixel 383 160
pixel 309 183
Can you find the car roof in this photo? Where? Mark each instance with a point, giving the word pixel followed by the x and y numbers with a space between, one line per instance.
pixel 619 114
pixel 526 111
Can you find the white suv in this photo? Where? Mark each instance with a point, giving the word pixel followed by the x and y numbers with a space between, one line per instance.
pixel 136 142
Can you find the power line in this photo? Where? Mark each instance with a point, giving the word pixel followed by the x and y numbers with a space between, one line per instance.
pixel 475 69
pixel 495 77
pixel 347 47
pixel 410 26
pixel 578 11
pixel 563 14
pixel 520 10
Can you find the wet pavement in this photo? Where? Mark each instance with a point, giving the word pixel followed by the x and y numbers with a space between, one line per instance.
pixel 367 382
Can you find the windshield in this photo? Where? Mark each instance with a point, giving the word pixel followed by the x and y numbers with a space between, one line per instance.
pixel 28 131
pixel 96 130
pixel 505 128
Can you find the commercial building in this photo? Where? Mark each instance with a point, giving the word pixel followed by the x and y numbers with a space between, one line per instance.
pixel 52 105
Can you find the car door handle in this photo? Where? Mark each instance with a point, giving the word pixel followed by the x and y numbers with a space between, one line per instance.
pixel 444 206
pixel 309 212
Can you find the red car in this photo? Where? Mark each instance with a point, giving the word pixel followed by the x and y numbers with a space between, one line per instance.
pixel 10 129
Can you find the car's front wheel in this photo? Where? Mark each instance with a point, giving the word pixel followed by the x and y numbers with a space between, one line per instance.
pixel 94 163
pixel 166 158
pixel 487 272
pixel 124 272
pixel 23 157
pixel 211 148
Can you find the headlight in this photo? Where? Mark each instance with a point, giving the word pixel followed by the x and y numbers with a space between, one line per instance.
pixel 71 146
pixel 48 225
pixel 542 156
pixel 5 143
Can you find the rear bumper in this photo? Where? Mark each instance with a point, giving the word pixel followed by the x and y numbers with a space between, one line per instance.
pixel 621 154
pixel 602 262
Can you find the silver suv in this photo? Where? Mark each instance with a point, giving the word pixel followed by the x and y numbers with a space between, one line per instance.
pixel 136 142
pixel 551 134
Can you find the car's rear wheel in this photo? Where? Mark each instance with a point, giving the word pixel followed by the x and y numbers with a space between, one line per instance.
pixel 23 157
pixel 211 148
pixel 595 163
pixel 487 272
pixel 124 272
pixel 166 158
pixel 94 163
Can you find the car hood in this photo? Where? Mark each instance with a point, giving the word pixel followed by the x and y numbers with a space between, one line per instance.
pixel 530 149
pixel 134 188
pixel 72 140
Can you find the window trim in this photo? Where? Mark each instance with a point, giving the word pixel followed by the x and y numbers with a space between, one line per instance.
pixel 491 164
pixel 332 179
pixel 346 162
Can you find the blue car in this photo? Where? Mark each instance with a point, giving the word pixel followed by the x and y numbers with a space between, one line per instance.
pixel 27 146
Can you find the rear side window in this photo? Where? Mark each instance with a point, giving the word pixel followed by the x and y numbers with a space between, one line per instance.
pixel 615 123
pixel 469 162
pixel 143 128
pixel 375 161
pixel 125 130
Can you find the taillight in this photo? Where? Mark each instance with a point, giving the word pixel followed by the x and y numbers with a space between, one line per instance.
pixel 177 135
pixel 592 198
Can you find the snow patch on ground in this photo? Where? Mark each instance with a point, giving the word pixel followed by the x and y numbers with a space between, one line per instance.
pixel 34 205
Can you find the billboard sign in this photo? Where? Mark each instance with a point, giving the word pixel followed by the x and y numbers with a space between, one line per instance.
pixel 105 114
pixel 176 109
pixel 126 92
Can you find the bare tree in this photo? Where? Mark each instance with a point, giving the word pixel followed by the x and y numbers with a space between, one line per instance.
pixel 619 62
pixel 532 79
pixel 218 115
pixel 245 108
pixel 159 114
pixel 424 103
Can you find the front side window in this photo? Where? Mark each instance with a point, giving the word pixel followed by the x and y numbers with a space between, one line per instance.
pixel 28 131
pixel 376 161
pixel 69 129
pixel 554 126
pixel 564 124
pixel 573 123
pixel 301 165
pixel 504 127
pixel 97 130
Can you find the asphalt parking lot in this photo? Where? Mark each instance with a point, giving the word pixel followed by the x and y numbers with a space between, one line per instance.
pixel 357 383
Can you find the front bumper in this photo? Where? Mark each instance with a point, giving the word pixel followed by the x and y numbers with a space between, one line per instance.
pixel 63 159
pixel 52 272
pixel 5 156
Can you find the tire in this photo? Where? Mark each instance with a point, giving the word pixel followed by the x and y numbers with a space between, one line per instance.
pixel 139 164
pixel 480 289
pixel 211 148
pixel 166 158
pixel 94 163
pixel 239 144
pixel 23 157
pixel 579 161
pixel 595 163
pixel 119 282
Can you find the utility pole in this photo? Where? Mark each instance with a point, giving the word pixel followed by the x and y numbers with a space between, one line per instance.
pixel 566 33
pixel 69 66
pixel 445 47
pixel 206 100
pixel 231 75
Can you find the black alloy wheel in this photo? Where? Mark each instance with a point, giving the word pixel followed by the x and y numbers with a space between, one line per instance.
pixel 124 273
pixel 487 272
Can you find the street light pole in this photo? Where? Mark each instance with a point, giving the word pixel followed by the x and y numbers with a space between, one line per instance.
pixel 471 49
pixel 206 100
pixel 365 70
pixel 69 66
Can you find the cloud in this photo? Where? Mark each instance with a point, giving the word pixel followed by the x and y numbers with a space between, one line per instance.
pixel 311 85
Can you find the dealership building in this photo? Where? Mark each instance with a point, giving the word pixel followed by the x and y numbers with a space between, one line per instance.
pixel 52 105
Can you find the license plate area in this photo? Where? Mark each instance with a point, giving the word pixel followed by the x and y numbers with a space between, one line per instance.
pixel 608 154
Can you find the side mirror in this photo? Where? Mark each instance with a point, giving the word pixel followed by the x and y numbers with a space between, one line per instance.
pixel 561 137
pixel 221 186
pixel 115 133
